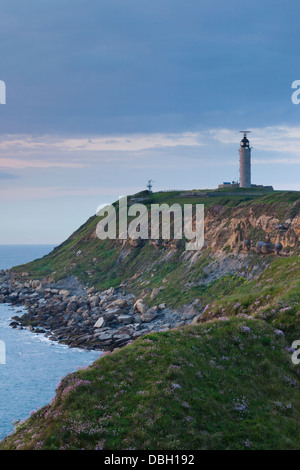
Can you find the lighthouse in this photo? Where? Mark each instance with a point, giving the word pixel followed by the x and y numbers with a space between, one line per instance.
pixel 245 168
pixel 245 161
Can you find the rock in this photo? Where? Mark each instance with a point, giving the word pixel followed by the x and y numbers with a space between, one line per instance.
pixel 135 243
pixel 247 245
pixel 154 293
pixel 64 293
pixel 4 289
pixel 94 301
pixel 188 312
pixel 72 307
pixel 104 337
pixel 122 338
pixel 130 296
pixel 264 247
pixel 196 320
pixel 140 306
pixel 148 316
pixel 16 318
pixel 165 327
pixel 99 323
pixel 109 291
pixel 14 296
pixel 109 318
pixel 35 284
pixel 120 303
pixel 145 292
pixel 136 318
pixel 40 330
pixel 126 319
pixel 162 306
pixel 95 312
pixel 139 333
pixel 113 311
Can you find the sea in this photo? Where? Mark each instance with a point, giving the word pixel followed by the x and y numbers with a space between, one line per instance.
pixel 31 366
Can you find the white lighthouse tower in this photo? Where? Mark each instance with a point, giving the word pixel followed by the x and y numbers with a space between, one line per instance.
pixel 245 162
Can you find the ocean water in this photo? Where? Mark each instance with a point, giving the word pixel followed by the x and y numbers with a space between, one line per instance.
pixel 34 365
pixel 12 255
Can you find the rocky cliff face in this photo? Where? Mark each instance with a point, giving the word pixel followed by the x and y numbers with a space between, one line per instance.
pixel 255 223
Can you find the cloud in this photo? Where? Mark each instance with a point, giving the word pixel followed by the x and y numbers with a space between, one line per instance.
pixel 276 139
pixel 47 151
pixel 131 142
pixel 20 164
pixel 277 145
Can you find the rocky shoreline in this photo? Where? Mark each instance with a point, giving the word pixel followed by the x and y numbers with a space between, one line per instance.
pixel 72 314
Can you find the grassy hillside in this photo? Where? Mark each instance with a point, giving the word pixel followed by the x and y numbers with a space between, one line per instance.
pixel 274 296
pixel 222 385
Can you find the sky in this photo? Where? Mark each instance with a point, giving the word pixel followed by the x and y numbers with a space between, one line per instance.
pixel 102 95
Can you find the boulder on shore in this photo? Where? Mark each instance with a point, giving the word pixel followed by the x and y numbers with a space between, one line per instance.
pixel 140 306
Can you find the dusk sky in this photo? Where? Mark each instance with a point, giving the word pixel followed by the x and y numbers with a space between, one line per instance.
pixel 103 95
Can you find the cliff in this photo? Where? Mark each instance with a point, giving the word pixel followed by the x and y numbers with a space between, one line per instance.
pixel 163 270
pixel 230 220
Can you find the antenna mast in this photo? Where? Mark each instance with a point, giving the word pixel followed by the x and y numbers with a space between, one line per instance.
pixel 149 185
pixel 245 133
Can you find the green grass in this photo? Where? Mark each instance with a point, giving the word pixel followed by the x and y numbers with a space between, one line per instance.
pixel 212 386
pixel 273 297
